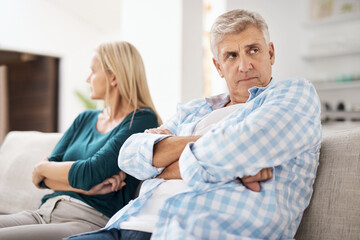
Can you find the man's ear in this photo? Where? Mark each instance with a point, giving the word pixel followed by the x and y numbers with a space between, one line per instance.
pixel 272 53
pixel 218 68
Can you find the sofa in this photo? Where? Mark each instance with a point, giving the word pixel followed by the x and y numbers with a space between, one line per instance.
pixel 19 152
pixel 333 213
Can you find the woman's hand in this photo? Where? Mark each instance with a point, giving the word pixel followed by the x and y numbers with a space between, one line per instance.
pixel 37 178
pixel 252 182
pixel 111 184
pixel 164 131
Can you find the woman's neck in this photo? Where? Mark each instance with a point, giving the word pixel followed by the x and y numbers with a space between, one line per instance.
pixel 117 108
pixel 115 112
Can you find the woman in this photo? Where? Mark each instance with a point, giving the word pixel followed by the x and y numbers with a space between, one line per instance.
pixel 82 169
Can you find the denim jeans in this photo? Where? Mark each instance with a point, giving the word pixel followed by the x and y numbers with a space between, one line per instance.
pixel 113 234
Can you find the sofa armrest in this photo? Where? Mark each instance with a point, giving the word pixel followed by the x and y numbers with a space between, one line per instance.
pixel 334 210
pixel 20 151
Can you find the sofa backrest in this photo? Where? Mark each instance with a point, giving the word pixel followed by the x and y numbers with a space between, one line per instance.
pixel 334 210
pixel 19 153
pixel 333 213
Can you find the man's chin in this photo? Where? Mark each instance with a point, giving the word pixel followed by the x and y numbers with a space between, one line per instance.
pixel 248 84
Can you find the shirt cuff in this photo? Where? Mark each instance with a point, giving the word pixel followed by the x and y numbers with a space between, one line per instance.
pixel 136 155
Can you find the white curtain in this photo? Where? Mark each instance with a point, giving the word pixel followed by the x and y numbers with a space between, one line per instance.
pixel 3 104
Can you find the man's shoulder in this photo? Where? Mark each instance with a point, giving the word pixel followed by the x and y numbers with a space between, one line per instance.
pixel 211 101
pixel 191 105
pixel 296 87
pixel 291 82
pixel 298 93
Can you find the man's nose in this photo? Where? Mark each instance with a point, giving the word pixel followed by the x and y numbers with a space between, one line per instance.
pixel 244 64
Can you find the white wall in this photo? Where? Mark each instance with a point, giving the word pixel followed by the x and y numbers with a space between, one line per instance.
pixel 54 28
pixel 154 27
pixel 168 35
pixel 192 80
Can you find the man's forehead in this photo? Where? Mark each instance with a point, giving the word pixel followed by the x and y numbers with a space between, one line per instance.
pixel 238 45
pixel 249 36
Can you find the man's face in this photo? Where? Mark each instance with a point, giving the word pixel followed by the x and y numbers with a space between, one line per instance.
pixel 245 61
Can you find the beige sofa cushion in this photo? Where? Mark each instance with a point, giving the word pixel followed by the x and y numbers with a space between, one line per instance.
pixel 334 211
pixel 19 153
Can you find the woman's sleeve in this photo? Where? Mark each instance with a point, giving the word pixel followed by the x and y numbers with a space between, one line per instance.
pixel 84 174
pixel 60 148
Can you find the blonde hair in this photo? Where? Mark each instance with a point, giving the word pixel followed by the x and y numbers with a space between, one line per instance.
pixel 234 22
pixel 124 61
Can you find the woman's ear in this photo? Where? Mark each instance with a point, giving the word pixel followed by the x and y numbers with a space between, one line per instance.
pixel 112 79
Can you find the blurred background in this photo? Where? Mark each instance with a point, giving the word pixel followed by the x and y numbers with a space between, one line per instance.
pixel 46 47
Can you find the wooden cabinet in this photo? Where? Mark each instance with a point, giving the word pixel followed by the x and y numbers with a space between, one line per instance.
pixel 32 91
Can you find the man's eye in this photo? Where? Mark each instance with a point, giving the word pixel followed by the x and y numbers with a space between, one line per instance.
pixel 254 50
pixel 232 55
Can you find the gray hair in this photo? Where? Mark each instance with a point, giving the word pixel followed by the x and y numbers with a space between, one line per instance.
pixel 234 22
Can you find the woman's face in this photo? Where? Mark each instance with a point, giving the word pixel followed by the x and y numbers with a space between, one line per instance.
pixel 97 80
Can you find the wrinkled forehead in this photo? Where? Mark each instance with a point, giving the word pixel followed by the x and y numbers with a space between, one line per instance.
pixel 249 36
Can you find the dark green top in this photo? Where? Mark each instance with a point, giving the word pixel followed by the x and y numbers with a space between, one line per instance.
pixel 96 156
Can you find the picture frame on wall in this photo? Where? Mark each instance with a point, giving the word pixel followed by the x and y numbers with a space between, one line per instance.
pixel 322 9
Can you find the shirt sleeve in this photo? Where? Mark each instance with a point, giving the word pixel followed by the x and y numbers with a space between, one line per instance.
pixel 283 124
pixel 87 173
pixel 136 155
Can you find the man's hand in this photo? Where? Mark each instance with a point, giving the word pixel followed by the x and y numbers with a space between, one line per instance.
pixel 37 178
pixel 164 131
pixel 111 184
pixel 252 182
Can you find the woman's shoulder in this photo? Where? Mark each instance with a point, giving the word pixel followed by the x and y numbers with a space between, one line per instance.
pixel 145 113
pixel 145 116
pixel 88 115
pixel 90 112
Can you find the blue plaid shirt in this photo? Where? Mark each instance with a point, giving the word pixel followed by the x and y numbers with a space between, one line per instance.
pixel 279 127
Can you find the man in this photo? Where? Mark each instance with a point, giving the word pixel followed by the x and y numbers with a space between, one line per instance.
pixel 212 144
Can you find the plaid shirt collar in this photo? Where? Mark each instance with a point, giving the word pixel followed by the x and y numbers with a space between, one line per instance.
pixel 221 100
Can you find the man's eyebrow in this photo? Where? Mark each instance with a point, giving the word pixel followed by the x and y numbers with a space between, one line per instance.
pixel 252 45
pixel 227 53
